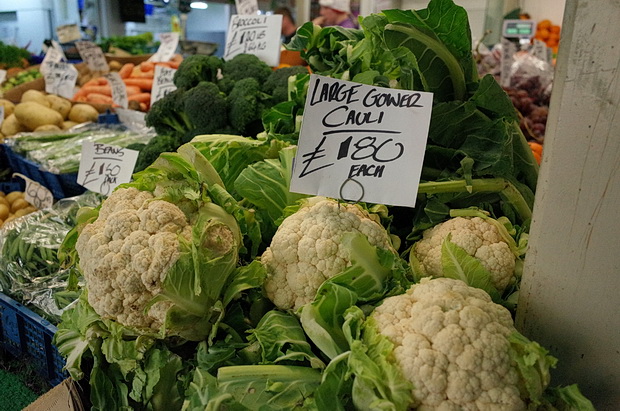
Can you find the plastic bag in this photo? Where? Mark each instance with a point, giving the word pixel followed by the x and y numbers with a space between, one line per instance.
pixel 30 271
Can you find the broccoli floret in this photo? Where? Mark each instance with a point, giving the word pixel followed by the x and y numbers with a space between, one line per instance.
pixel 277 83
pixel 246 65
pixel 247 103
pixel 167 114
pixel 197 68
pixel 207 108
pixel 159 144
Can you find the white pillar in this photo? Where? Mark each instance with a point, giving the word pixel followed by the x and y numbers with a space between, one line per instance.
pixel 570 297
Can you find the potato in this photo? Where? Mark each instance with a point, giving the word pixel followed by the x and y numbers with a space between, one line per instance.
pixel 60 104
pixel 9 218
pixel 4 212
pixel 9 106
pixel 19 204
pixel 11 126
pixel 115 65
pixel 48 127
pixel 24 211
pixel 3 201
pixel 66 125
pixel 81 113
pixel 14 195
pixel 36 96
pixel 33 115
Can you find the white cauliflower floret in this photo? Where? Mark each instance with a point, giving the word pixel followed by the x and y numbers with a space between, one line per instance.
pixel 306 249
pixel 478 238
pixel 451 341
pixel 126 253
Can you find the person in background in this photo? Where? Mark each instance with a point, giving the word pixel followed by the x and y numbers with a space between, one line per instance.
pixel 288 24
pixel 335 13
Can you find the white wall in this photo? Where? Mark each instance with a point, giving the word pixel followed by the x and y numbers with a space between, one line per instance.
pixel 545 9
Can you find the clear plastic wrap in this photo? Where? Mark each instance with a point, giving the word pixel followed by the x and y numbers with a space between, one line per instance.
pixel 30 271
pixel 60 152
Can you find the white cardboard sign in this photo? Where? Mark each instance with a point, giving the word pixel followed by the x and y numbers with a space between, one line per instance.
pixel 119 90
pixel 362 143
pixel 93 56
pixel 167 47
pixel 246 7
pixel 2 75
pixel 258 35
pixel 68 33
pixel 52 55
pixel 103 167
pixel 60 79
pixel 36 194
pixel 162 83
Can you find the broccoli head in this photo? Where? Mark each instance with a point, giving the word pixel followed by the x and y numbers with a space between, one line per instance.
pixel 277 83
pixel 167 115
pixel 163 143
pixel 246 105
pixel 207 108
pixel 245 65
pixel 196 68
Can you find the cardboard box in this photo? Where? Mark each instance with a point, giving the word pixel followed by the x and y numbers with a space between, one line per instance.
pixel 66 396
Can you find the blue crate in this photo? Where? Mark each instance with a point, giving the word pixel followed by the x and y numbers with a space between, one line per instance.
pixel 26 334
pixel 13 185
pixel 61 185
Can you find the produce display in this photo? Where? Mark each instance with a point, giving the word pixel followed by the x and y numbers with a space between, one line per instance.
pixel 21 77
pixel 129 45
pixel 13 56
pixel 204 283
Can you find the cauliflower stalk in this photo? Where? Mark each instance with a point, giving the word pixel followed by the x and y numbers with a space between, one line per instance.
pixel 443 345
pixel 160 252
pixel 470 246
pixel 309 248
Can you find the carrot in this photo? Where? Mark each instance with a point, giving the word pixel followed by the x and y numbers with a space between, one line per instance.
pixel 174 64
pixel 140 97
pixel 144 107
pixel 99 98
pixel 102 81
pixel 144 74
pixel 147 66
pixel 91 82
pixel 131 90
pixel 105 90
pixel 145 84
pixel 125 71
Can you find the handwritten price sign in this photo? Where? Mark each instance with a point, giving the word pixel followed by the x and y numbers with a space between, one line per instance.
pixel 362 143
pixel 103 167
pixel 167 47
pixel 93 56
pixel 36 194
pixel 60 78
pixel 258 35
pixel 162 83
pixel 119 90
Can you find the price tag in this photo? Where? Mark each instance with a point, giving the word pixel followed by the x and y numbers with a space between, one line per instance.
pixel 1 114
pixel 362 143
pixel 36 194
pixel 131 118
pixel 103 167
pixel 508 51
pixel 246 7
pixel 167 47
pixel 2 76
pixel 60 79
pixel 541 51
pixel 53 55
pixel 119 91
pixel 68 33
pixel 162 83
pixel 93 56
pixel 258 35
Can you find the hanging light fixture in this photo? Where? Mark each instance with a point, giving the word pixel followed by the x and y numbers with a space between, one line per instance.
pixel 199 5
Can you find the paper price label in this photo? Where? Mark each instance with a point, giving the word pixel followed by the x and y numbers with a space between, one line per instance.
pixel 362 143
pixel 68 33
pixel 508 51
pixel 60 79
pixel 103 167
pixel 541 51
pixel 93 56
pixel 119 91
pixel 2 76
pixel 162 83
pixel 53 55
pixel 1 114
pixel 36 194
pixel 258 35
pixel 167 47
pixel 246 7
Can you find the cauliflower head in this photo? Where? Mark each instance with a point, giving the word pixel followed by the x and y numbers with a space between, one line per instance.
pixel 451 342
pixel 138 261
pixel 307 249
pixel 478 237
